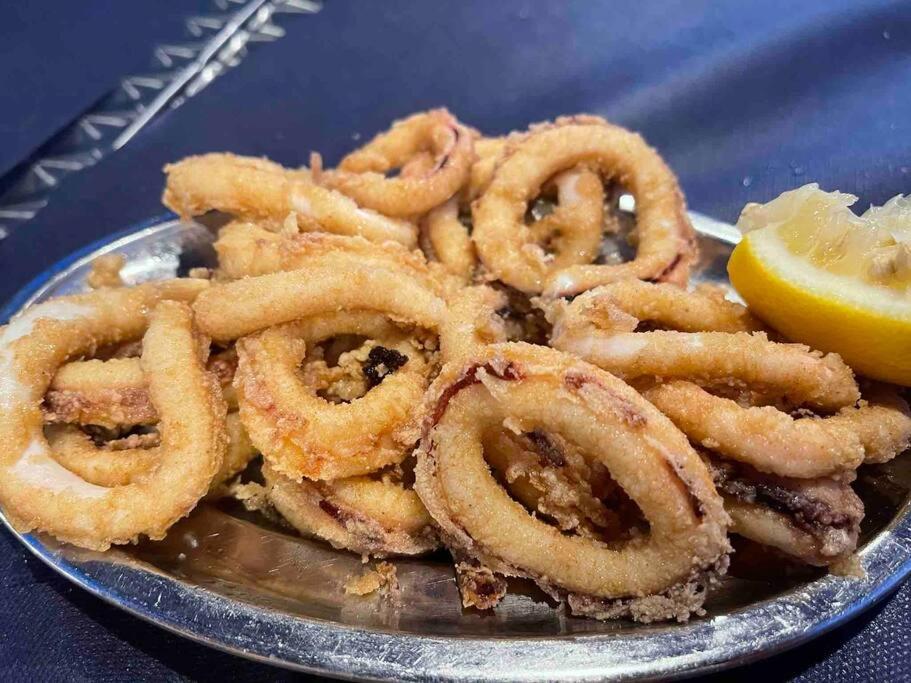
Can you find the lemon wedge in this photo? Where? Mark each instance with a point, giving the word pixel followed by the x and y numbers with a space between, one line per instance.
pixel 821 275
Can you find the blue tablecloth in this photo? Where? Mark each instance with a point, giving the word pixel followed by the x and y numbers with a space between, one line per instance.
pixel 60 57
pixel 744 99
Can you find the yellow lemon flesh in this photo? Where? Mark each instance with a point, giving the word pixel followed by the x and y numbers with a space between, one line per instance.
pixel 821 275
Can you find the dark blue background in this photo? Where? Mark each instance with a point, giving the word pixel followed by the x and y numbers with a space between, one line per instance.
pixel 59 57
pixel 744 99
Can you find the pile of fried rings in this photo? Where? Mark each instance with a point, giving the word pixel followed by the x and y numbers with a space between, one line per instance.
pixel 430 347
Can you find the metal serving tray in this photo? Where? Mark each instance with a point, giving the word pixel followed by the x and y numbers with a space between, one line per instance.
pixel 235 582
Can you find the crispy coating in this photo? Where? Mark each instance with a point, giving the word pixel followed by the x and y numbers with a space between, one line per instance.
pixel 299 432
pixel 882 422
pixel 113 393
pixel 246 249
pixel 489 151
pixel 235 309
pixel 38 493
pixel 599 327
pixel 814 520
pixel 105 271
pixel 531 388
pixel 445 239
pixel 367 351
pixel 106 393
pixel 361 174
pixel 763 436
pixel 572 232
pixel 770 440
pixel 105 467
pixel 665 237
pixel 129 460
pixel 257 189
pixel 375 517
pixel 624 306
pixel 551 477
pixel 472 321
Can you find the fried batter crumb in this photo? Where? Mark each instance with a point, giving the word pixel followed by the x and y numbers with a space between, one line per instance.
pixel 848 567
pixel 201 273
pixel 381 578
pixel 479 586
pixel 105 272
pixel 289 225
pixel 255 498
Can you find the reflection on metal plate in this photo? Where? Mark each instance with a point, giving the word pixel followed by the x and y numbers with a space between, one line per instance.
pixel 233 581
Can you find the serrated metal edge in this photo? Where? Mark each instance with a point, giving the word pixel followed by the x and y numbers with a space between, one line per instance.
pixel 214 43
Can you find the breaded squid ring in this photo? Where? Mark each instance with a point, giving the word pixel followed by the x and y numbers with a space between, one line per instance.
pixel 814 520
pixel 599 327
pixel 235 309
pixel 666 244
pixel 302 434
pixel 572 232
pixel 363 515
pixel 527 388
pixel 246 249
pixel 623 306
pixel 128 464
pixel 258 189
pixel 113 393
pixel 38 493
pixel 360 175
pixel 766 438
pixel 445 239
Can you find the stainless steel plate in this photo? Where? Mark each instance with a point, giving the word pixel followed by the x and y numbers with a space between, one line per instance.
pixel 232 581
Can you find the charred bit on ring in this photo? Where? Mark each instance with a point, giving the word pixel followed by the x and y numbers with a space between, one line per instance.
pixel 382 362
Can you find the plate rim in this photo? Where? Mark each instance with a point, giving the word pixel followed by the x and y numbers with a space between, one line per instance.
pixel 91 576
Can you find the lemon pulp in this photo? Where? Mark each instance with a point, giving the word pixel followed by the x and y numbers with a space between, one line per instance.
pixel 824 276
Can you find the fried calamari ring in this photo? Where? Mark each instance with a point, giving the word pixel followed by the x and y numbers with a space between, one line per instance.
pixel 246 249
pixel 773 441
pixel 600 325
pixel 445 239
pixel 235 309
pixel 300 433
pixel 37 492
pixel 129 460
pixel 530 388
pixel 815 520
pixel 623 306
pixel 766 438
pixel 113 393
pixel 665 236
pixel 572 232
pixel 261 190
pixel 363 515
pixel 360 175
